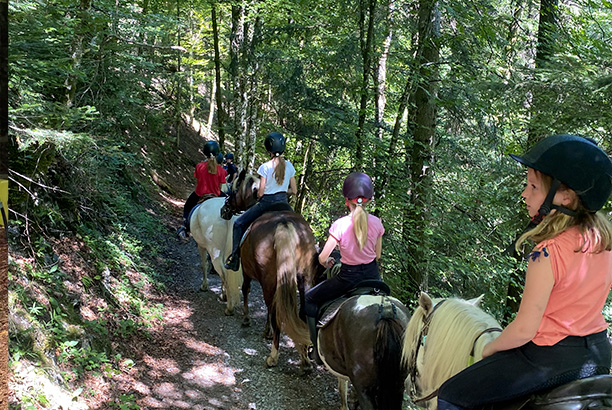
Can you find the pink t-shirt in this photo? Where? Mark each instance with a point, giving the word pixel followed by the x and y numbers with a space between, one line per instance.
pixel 582 284
pixel 350 254
pixel 209 183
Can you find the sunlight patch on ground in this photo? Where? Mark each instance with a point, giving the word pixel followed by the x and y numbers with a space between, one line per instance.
pixel 161 365
pixel 207 375
pixel 203 347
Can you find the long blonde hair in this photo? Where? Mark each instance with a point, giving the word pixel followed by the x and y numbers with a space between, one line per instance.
pixel 279 170
pixel 594 226
pixel 360 223
pixel 211 165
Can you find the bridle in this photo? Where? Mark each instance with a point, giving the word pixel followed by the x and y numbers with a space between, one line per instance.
pixel 412 367
pixel 232 206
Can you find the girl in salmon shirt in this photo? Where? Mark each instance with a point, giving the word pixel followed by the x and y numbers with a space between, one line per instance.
pixel 559 333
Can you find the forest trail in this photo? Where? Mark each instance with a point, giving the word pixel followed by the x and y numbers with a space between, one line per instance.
pixel 200 359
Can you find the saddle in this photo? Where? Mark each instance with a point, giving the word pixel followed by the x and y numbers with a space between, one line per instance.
pixel 275 207
pixel 329 309
pixel 592 393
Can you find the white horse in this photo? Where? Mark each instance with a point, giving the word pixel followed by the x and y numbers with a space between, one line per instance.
pixel 213 235
pixel 443 337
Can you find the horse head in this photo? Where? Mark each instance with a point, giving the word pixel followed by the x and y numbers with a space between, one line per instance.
pixel 442 338
pixel 242 195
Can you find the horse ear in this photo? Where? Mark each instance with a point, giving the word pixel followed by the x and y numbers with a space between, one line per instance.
pixel 476 301
pixel 425 302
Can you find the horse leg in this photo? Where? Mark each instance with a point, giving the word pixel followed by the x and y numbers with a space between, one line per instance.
pixel 246 288
pixel 268 329
pixel 343 390
pixel 272 360
pixel 205 268
pixel 305 364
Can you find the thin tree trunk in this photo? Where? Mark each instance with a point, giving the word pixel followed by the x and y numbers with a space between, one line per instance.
pixel 178 71
pixel 381 77
pixel 367 37
pixel 424 132
pixel 80 31
pixel 218 94
pixel 4 42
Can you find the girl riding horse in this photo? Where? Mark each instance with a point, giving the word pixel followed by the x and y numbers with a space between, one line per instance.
pixel 277 181
pixel 559 332
pixel 210 178
pixel 359 236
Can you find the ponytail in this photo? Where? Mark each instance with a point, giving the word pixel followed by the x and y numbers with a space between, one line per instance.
pixel 360 225
pixel 279 171
pixel 211 165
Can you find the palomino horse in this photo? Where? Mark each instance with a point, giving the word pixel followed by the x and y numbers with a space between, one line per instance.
pixel 360 340
pixel 279 252
pixel 213 235
pixel 444 336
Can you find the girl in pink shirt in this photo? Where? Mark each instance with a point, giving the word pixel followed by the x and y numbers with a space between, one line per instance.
pixel 559 333
pixel 359 237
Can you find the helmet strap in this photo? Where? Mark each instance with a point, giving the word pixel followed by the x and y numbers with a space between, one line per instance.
pixel 547 205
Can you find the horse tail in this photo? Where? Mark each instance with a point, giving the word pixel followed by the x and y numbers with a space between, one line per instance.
pixel 285 298
pixel 391 370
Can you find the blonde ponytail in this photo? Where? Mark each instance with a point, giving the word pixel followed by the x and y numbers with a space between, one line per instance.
pixel 360 225
pixel 211 165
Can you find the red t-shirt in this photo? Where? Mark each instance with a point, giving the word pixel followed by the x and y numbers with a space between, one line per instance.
pixel 582 284
pixel 209 183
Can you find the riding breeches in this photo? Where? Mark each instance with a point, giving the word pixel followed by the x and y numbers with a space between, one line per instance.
pixel 513 373
pixel 191 202
pixel 347 279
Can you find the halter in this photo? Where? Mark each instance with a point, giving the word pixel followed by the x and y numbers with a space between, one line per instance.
pixel 414 373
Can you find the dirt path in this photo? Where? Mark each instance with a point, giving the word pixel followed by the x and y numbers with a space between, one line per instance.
pixel 201 359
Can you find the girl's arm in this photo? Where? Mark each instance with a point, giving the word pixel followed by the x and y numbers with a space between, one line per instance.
pixel 262 187
pixel 539 282
pixel 378 247
pixel 292 187
pixel 324 258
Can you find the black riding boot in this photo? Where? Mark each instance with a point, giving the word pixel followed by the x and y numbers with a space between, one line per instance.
pixel 312 328
pixel 233 262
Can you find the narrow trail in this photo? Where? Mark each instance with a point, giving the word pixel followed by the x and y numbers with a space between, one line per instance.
pixel 200 359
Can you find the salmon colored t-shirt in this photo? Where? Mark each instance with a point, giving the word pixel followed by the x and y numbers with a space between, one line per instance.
pixel 582 283
pixel 209 183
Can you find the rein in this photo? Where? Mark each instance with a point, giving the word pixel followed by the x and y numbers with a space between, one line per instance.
pixel 422 336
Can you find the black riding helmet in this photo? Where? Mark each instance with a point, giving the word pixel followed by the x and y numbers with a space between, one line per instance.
pixel 358 185
pixel 578 163
pixel 211 149
pixel 229 155
pixel 275 143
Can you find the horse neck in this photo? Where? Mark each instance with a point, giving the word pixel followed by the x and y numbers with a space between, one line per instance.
pixel 452 333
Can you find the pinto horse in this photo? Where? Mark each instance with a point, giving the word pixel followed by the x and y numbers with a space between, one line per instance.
pixel 360 340
pixel 278 251
pixel 213 236
pixel 444 336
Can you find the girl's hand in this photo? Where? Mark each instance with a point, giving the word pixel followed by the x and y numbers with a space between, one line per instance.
pixel 330 262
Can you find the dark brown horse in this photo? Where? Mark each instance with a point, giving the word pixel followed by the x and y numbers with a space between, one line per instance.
pixel 279 252
pixel 361 341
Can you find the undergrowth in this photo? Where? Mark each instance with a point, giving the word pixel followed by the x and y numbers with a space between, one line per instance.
pixel 84 256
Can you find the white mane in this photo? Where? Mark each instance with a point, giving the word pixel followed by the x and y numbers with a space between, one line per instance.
pixel 453 330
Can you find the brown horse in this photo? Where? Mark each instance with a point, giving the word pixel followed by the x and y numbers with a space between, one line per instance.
pixel 361 342
pixel 279 252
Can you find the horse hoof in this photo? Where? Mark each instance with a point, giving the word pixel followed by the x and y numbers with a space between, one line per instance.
pixel 270 362
pixel 229 312
pixel 204 287
pixel 246 323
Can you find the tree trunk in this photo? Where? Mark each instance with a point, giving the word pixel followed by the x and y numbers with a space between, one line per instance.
pixel 424 132
pixel 367 37
pixel 218 94
pixel 80 31
pixel 4 41
pixel 380 99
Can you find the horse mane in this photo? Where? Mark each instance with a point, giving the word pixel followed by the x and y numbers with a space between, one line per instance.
pixel 455 330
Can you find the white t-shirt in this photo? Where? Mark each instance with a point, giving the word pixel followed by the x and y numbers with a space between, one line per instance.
pixel 266 170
